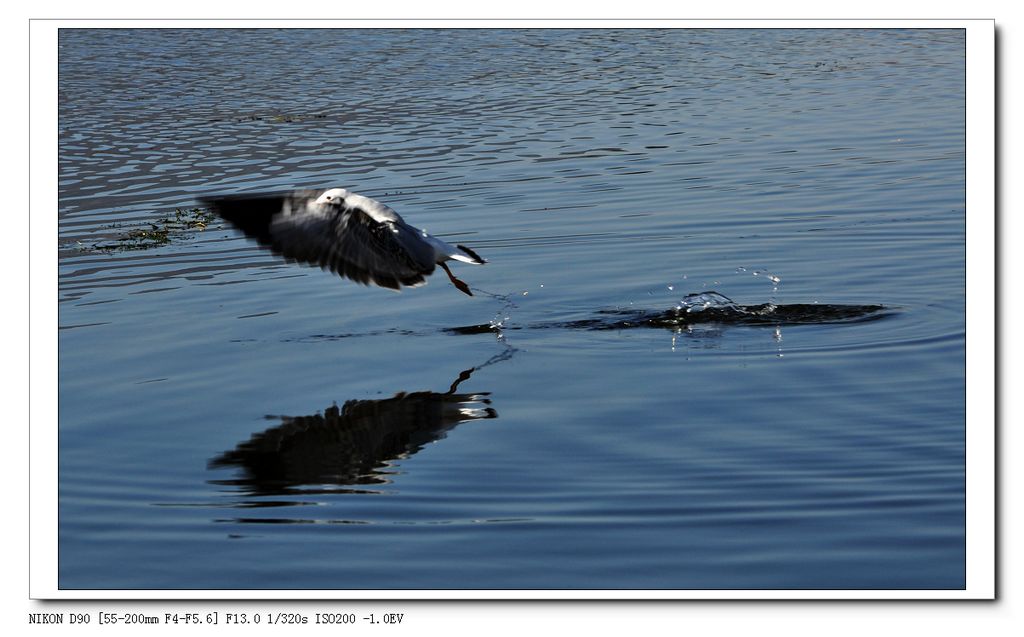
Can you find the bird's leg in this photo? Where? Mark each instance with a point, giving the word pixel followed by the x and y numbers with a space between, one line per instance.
pixel 459 284
pixel 464 375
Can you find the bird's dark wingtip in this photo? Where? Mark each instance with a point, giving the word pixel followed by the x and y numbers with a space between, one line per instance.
pixel 251 214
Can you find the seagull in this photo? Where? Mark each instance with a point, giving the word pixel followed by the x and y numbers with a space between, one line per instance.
pixel 351 235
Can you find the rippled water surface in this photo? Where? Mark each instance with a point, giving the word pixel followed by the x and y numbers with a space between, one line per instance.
pixel 229 420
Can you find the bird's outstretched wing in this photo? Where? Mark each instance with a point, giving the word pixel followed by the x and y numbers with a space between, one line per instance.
pixel 344 240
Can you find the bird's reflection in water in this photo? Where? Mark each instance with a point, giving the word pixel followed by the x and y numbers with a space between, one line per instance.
pixel 352 446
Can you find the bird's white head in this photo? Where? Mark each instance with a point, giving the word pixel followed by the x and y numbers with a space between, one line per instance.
pixel 333 196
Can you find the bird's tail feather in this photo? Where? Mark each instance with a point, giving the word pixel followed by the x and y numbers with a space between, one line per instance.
pixel 469 257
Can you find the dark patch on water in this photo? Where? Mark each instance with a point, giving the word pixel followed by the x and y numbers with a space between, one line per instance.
pixel 675 318
pixel 763 314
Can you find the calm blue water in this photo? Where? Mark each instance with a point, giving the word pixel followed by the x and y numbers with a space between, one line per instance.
pixel 228 420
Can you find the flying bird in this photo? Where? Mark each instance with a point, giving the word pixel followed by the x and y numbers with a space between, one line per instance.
pixel 351 235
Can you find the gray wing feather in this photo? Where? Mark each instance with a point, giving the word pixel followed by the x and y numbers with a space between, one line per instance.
pixel 379 248
pixel 349 242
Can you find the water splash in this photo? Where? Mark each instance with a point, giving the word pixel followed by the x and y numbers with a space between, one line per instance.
pixel 504 313
pixel 702 301
pixel 774 279
pixel 500 322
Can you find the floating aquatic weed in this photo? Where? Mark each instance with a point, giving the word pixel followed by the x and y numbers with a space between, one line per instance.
pixel 153 234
